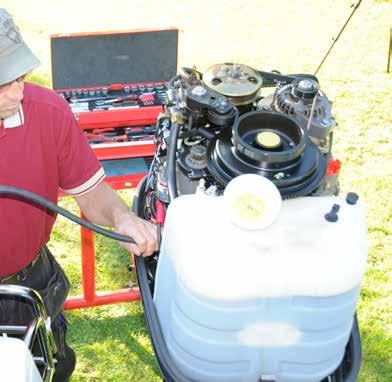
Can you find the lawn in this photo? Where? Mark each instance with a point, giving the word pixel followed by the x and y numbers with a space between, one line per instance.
pixel 292 36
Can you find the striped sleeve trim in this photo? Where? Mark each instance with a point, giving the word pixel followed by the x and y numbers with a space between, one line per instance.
pixel 87 186
pixel 15 120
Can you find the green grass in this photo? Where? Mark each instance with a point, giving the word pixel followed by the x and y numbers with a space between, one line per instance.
pixel 292 36
pixel 114 346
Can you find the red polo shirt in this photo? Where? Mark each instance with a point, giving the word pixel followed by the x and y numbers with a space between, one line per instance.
pixel 41 150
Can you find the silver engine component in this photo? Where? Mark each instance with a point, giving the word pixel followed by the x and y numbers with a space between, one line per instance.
pixel 303 100
pixel 239 83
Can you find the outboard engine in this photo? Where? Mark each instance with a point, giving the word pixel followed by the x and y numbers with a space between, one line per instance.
pixel 252 282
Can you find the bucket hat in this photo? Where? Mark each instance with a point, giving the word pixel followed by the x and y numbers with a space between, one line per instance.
pixel 16 58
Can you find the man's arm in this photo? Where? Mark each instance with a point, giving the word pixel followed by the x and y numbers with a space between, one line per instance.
pixel 103 206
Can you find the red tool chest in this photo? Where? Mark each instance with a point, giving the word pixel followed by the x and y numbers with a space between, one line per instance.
pixel 115 84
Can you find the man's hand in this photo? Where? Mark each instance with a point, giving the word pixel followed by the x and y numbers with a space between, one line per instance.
pixel 143 232
pixel 103 206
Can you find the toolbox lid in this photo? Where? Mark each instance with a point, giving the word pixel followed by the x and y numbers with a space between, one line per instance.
pixel 95 59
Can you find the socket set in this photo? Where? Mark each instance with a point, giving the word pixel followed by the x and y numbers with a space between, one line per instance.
pixel 116 105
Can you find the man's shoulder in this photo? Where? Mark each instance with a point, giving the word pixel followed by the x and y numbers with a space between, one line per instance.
pixel 38 95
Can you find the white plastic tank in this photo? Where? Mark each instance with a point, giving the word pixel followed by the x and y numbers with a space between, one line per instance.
pixel 272 301
pixel 16 362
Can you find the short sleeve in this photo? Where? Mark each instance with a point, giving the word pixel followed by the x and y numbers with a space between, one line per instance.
pixel 79 169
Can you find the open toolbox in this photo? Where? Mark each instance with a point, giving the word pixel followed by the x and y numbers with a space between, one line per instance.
pixel 115 84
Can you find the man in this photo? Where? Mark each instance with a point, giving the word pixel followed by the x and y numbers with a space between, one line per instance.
pixel 41 150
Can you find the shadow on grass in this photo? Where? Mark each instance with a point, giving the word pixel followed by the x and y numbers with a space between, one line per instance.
pixel 105 345
pixel 376 354
pixel 108 348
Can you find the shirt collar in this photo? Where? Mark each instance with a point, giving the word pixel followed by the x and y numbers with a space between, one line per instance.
pixel 15 120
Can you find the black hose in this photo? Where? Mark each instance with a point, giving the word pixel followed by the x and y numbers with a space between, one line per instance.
pixel 205 133
pixel 171 161
pixel 355 349
pixel 168 367
pixel 27 195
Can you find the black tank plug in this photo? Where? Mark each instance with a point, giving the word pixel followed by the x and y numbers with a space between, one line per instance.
pixel 332 216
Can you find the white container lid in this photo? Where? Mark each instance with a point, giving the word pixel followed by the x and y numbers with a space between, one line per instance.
pixel 252 201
